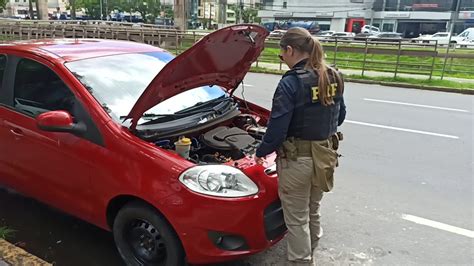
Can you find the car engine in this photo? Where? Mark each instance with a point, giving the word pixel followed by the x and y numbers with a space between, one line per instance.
pixel 223 143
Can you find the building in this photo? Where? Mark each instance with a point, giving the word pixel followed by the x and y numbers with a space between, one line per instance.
pixel 20 8
pixel 415 17
pixel 245 3
pixel 409 17
pixel 329 14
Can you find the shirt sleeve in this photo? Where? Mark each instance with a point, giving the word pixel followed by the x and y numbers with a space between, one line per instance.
pixel 280 118
pixel 342 112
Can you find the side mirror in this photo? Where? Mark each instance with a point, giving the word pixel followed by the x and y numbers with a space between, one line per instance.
pixel 59 121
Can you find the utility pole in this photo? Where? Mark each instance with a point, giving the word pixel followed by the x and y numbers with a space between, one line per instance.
pixel 73 8
pixel 180 14
pixel 42 9
pixel 452 22
pixel 222 18
pixel 30 6
pixel 101 10
pixel 241 7
pixel 210 15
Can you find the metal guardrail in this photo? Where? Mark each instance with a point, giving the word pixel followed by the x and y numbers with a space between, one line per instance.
pixel 427 54
pixel 343 52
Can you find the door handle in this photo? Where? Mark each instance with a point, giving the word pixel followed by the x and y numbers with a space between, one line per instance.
pixel 17 132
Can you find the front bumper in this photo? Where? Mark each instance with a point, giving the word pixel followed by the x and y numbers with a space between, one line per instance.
pixel 217 229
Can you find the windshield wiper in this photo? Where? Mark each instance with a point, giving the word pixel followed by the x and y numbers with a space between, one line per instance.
pixel 202 104
pixel 151 116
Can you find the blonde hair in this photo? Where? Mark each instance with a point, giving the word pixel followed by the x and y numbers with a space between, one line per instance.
pixel 300 39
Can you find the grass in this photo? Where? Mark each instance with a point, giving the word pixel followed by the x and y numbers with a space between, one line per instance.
pixel 456 67
pixel 6 232
pixel 411 81
pixel 422 82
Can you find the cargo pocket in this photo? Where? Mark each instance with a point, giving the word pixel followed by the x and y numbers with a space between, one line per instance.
pixel 324 163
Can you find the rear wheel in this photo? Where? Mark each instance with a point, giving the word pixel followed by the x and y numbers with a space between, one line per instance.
pixel 144 237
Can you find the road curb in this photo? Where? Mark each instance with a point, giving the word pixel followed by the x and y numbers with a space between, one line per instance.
pixel 13 255
pixel 412 86
pixel 390 83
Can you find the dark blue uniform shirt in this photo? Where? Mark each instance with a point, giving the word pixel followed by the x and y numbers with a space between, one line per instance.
pixel 282 111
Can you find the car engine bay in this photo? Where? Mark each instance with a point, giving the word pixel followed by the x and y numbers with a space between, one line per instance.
pixel 226 142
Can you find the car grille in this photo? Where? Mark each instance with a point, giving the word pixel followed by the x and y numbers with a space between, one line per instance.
pixel 274 221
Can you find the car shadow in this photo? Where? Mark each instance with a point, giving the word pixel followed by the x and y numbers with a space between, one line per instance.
pixel 59 238
pixel 54 236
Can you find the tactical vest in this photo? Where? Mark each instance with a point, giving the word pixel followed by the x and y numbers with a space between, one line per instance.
pixel 311 120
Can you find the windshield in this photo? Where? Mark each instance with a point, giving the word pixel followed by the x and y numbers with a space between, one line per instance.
pixel 118 81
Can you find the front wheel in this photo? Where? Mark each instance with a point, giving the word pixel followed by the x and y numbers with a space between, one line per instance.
pixel 143 237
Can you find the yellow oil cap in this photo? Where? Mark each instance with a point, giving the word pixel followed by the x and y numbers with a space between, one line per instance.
pixel 185 141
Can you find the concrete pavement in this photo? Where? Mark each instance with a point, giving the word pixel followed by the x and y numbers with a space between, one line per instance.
pixel 403 192
pixel 13 255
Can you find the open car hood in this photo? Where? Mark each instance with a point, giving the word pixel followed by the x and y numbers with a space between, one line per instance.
pixel 220 58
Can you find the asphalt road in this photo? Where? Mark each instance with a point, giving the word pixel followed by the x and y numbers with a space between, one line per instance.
pixel 403 195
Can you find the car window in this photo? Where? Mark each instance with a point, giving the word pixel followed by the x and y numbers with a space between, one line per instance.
pixel 3 65
pixel 38 89
pixel 128 75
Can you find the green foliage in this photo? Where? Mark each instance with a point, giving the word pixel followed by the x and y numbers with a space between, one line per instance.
pixel 419 82
pixel 3 3
pixel 5 232
pixel 92 7
pixel 412 81
pixel 148 9
pixel 249 14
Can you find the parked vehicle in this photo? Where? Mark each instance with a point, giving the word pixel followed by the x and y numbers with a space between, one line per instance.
pixel 311 26
pixel 362 36
pixel 277 33
pixel 343 35
pixel 386 36
pixel 155 148
pixel 466 36
pixel 325 33
pixel 466 44
pixel 442 38
pixel 370 29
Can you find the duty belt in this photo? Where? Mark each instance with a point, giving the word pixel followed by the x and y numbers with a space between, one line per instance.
pixel 295 147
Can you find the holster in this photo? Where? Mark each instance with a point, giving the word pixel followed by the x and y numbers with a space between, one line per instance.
pixel 336 138
pixel 289 150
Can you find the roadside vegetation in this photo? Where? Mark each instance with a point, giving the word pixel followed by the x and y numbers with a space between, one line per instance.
pixel 6 232
pixel 386 63
pixel 410 81
pixel 455 67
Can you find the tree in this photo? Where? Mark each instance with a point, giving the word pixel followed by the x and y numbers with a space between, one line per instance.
pixel 3 3
pixel 92 7
pixel 148 9
pixel 249 14
pixel 73 7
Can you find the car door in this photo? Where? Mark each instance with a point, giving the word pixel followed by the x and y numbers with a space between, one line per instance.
pixel 4 133
pixel 53 167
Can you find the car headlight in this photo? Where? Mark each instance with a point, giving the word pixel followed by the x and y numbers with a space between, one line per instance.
pixel 218 180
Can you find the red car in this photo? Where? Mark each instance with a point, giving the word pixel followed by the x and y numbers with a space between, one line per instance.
pixel 152 147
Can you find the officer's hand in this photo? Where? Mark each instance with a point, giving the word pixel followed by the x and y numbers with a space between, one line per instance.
pixel 259 160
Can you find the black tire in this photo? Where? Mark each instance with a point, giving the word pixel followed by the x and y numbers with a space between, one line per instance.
pixel 143 237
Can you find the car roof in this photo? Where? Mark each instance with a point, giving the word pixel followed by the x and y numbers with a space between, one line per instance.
pixel 77 49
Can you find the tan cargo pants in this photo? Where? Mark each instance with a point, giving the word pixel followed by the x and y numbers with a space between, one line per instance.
pixel 301 186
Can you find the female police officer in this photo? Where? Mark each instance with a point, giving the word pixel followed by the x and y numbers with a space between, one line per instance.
pixel 307 108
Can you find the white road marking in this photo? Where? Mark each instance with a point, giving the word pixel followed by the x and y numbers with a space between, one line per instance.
pixel 247 85
pixel 438 225
pixel 418 105
pixel 402 129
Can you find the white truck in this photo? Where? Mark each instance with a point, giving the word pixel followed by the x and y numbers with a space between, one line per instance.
pixel 464 37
